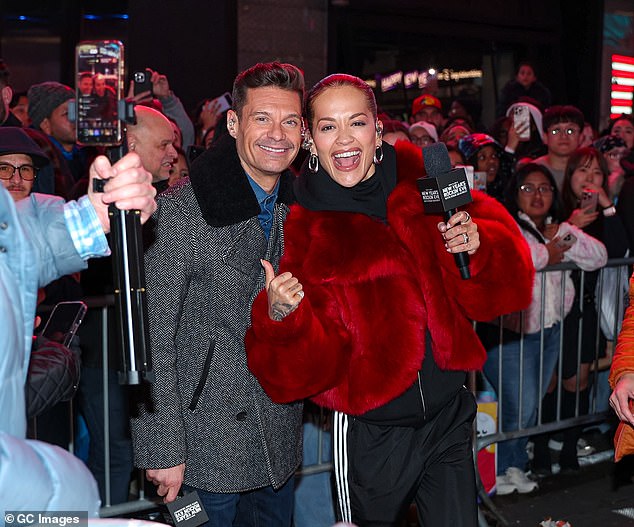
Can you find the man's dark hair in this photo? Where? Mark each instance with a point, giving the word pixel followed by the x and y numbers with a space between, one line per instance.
pixel 4 74
pixel 563 114
pixel 262 75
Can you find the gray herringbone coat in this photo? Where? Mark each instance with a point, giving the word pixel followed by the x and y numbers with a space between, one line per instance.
pixel 206 409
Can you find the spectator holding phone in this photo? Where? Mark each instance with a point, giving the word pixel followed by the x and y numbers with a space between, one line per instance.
pixel 170 104
pixel 532 199
pixel 587 206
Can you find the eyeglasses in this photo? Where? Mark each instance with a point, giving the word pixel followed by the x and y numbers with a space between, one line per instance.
pixel 422 141
pixel 542 189
pixel 26 172
pixel 567 131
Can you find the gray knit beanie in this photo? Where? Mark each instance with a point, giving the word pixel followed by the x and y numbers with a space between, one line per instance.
pixel 44 98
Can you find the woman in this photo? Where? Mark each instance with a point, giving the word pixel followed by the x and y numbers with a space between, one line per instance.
pixel 486 155
pixel 586 172
pixel 382 292
pixel 614 150
pixel 532 200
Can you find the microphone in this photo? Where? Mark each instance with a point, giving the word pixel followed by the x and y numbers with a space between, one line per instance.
pixel 443 191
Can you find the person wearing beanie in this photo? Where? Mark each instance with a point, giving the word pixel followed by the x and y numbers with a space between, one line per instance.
pixel 48 110
pixel 486 155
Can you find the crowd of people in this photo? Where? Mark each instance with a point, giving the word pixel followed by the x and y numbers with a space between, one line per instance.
pixel 274 279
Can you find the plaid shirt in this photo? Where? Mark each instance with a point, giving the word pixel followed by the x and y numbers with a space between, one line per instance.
pixel 85 228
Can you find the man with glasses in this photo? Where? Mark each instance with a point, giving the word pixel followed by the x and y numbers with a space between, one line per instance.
pixel 20 159
pixel 562 135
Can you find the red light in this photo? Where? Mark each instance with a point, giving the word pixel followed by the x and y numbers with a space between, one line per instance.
pixel 623 59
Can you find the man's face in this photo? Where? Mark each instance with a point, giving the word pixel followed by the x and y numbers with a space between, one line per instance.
pixel 268 133
pixel 85 85
pixel 21 110
pixel 58 126
pixel 155 146
pixel 17 187
pixel 429 114
pixel 100 85
pixel 563 139
pixel 526 76
pixel 5 98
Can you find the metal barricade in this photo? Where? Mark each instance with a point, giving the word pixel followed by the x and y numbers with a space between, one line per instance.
pixel 595 415
pixel 141 503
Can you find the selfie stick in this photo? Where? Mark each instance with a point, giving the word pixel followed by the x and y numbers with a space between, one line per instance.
pixel 128 271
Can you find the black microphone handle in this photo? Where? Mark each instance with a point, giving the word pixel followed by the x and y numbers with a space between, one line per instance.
pixel 462 259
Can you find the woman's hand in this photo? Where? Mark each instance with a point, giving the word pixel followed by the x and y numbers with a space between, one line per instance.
pixel 460 233
pixel 620 398
pixel 284 292
pixel 555 251
pixel 582 217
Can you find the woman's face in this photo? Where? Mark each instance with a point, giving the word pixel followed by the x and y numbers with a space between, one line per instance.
pixel 625 130
pixel 587 172
pixel 455 133
pixel 535 197
pixel 344 135
pixel 489 162
pixel 587 136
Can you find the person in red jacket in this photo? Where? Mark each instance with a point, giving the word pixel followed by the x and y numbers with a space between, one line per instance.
pixel 368 315
pixel 622 381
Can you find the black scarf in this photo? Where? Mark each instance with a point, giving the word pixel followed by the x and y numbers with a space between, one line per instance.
pixel 318 191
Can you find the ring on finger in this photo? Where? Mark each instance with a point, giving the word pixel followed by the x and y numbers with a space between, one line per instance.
pixel 468 217
pixel 300 294
pixel 466 238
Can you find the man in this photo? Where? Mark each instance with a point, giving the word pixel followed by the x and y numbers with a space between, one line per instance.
pixel 429 109
pixel 562 135
pixel 41 238
pixel 104 97
pixel 48 110
pixel 207 424
pixel 525 84
pixel 19 107
pixel 84 83
pixel 6 94
pixel 20 160
pixel 152 137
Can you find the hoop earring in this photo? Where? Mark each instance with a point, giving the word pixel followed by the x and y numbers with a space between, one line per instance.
pixel 378 154
pixel 313 163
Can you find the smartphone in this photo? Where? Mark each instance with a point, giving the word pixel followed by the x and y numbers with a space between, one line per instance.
pixel 521 122
pixel 143 81
pixel 224 102
pixel 589 200
pixel 567 241
pixel 63 322
pixel 468 170
pixel 480 181
pixel 97 117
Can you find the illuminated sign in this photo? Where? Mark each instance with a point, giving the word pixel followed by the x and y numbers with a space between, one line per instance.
pixel 622 88
pixel 420 79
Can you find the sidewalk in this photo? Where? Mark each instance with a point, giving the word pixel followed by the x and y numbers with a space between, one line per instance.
pixel 600 495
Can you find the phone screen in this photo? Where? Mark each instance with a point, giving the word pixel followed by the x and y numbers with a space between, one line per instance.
pixel 64 321
pixel 99 89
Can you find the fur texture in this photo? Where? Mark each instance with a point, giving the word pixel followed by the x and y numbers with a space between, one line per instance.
pixel 372 291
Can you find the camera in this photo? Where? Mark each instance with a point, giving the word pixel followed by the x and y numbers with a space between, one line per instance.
pixel 142 81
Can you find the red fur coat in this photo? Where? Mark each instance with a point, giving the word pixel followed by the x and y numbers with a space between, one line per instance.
pixel 357 339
